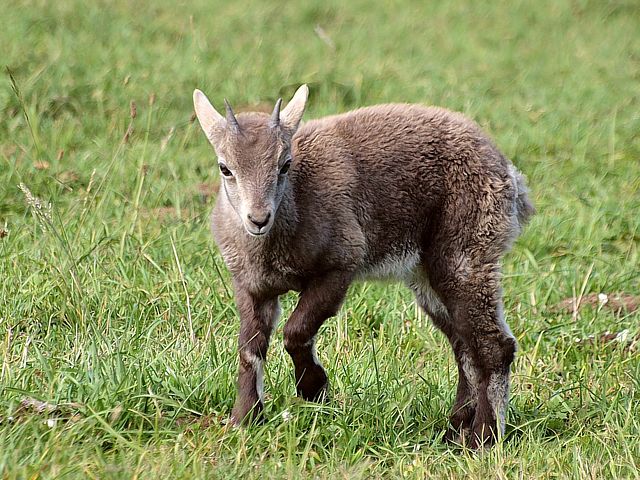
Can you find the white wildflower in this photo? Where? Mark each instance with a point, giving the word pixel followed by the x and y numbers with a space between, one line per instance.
pixel 622 336
pixel 286 415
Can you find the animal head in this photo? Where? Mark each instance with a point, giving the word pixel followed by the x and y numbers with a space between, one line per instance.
pixel 254 155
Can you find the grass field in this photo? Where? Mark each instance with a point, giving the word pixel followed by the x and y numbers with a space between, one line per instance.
pixel 117 326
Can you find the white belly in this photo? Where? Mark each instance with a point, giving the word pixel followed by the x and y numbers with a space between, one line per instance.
pixel 393 266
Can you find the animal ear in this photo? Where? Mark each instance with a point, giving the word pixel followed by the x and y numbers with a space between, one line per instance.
pixel 292 114
pixel 209 118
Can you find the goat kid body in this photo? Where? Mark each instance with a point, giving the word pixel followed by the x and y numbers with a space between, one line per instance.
pixel 413 193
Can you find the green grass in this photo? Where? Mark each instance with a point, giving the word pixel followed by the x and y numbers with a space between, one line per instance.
pixel 116 307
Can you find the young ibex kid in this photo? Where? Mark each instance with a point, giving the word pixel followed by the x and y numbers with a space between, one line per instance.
pixel 419 194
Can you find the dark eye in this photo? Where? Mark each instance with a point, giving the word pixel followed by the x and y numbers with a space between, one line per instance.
pixel 285 168
pixel 224 170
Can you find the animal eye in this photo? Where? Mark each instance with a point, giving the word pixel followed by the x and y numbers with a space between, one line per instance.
pixel 285 168
pixel 224 170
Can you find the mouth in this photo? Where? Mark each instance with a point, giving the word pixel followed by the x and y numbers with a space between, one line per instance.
pixel 260 232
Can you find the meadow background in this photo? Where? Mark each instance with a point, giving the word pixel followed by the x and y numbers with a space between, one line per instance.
pixel 117 326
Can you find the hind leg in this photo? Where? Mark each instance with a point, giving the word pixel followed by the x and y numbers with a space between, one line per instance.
pixel 472 294
pixel 493 351
pixel 464 407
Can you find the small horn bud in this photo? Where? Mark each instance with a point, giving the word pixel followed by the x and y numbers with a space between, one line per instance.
pixel 275 116
pixel 231 118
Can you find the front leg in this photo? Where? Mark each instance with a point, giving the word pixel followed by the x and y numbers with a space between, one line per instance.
pixel 258 318
pixel 318 301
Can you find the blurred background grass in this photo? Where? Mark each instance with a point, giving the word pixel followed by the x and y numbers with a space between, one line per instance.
pixel 117 309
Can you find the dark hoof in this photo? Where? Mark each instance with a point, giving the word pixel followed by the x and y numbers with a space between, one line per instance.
pixel 246 415
pixel 318 395
pixel 457 436
pixel 482 437
pixel 313 386
pixel 460 422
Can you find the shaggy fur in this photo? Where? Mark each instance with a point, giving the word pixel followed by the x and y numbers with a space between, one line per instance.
pixel 419 194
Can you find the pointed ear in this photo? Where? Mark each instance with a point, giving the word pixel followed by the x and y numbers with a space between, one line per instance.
pixel 208 117
pixel 292 114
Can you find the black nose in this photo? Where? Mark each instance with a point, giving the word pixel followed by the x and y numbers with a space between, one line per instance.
pixel 259 222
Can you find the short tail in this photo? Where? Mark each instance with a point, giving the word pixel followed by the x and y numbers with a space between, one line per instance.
pixel 524 208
